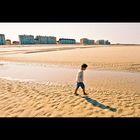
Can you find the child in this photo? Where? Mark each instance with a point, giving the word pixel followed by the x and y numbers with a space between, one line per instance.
pixel 80 79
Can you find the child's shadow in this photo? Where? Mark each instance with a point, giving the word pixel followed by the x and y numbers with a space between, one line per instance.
pixel 95 103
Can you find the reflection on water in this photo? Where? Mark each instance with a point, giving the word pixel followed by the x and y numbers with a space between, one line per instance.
pixel 59 74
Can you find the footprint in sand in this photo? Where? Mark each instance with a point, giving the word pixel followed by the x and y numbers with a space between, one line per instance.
pixel 120 110
pixel 89 113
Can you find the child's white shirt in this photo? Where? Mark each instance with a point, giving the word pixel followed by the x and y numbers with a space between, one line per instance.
pixel 80 76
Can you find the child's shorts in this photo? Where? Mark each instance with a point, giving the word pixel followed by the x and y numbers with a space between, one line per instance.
pixel 80 84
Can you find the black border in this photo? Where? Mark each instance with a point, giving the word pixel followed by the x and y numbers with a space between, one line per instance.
pixel 70 11
pixel 73 123
pixel 87 11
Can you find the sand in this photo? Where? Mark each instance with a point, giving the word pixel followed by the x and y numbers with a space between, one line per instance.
pixel 98 57
pixel 27 99
pixel 30 99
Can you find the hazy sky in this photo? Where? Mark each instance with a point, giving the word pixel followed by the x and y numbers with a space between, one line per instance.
pixel 114 32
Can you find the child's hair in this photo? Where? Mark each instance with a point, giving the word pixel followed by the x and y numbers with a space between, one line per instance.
pixel 84 66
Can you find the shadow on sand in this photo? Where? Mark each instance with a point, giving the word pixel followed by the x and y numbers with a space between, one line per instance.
pixel 95 103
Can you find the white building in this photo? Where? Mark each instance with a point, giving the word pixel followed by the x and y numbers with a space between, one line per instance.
pixel 45 40
pixel 103 42
pixel 8 42
pixel 86 41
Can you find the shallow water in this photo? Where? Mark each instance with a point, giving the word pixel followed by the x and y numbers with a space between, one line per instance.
pixel 59 74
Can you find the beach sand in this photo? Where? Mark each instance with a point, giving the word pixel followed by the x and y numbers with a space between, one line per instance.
pixel 109 57
pixel 27 99
pixel 30 99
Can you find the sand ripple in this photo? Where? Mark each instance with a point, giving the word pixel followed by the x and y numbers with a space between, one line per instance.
pixel 27 99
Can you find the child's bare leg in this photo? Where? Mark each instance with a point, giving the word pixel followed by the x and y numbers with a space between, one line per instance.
pixel 76 91
pixel 84 91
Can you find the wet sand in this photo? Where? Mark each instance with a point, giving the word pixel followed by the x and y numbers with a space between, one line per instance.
pixel 98 57
pixel 44 73
pixel 111 97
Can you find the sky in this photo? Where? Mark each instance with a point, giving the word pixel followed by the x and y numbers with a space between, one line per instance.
pixel 128 33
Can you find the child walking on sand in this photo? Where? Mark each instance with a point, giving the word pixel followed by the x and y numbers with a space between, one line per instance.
pixel 80 79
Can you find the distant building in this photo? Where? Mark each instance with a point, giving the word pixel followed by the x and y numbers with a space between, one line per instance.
pixel 2 39
pixel 29 39
pixel 86 41
pixel 52 40
pixel 91 42
pixel 103 42
pixel 8 42
pixel 67 41
pixel 16 43
pixel 40 40
pixel 45 40
pixel 107 42
pixel 100 42
pixel 26 39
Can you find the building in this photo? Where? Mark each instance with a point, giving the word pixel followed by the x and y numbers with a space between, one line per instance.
pixel 107 42
pixel 52 40
pixel 45 40
pixel 67 41
pixel 2 39
pixel 91 42
pixel 8 42
pixel 15 42
pixel 100 42
pixel 86 41
pixel 26 39
pixel 40 40
pixel 29 39
pixel 103 42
